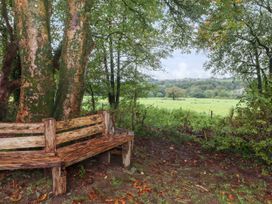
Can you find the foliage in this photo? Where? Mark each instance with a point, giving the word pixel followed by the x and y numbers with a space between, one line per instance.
pixel 200 88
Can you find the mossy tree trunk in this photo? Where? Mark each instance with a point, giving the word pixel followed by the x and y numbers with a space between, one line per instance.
pixel 74 57
pixel 37 80
pixel 9 59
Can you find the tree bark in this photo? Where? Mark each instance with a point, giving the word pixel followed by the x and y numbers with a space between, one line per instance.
pixel 7 86
pixel 112 77
pixel 37 88
pixel 258 71
pixel 75 51
pixel 9 49
pixel 118 79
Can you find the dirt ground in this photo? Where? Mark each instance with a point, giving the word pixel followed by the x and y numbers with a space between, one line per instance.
pixel 161 172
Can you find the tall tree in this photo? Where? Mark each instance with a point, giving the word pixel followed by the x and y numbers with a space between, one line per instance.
pixel 37 85
pixel 74 57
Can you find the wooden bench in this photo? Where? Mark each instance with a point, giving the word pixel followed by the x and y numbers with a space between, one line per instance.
pixel 56 145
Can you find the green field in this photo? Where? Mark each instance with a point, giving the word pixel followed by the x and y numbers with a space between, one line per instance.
pixel 218 106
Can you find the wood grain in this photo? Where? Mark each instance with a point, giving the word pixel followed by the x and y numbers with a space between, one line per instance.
pixel 21 142
pixel 21 128
pixel 28 161
pixel 50 135
pixel 82 150
pixel 79 122
pixel 79 133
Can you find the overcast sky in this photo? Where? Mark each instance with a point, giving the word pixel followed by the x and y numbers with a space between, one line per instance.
pixel 180 66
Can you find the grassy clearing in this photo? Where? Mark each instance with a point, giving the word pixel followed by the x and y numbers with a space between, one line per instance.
pixel 218 106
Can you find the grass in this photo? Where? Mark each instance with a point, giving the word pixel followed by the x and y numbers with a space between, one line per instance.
pixel 220 107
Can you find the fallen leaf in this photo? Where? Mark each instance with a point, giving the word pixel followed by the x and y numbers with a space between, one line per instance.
pixel 42 198
pixel 92 196
pixel 16 196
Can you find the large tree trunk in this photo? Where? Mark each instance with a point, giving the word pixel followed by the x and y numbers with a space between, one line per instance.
pixel 6 85
pixel 37 88
pixel 9 51
pixel 74 57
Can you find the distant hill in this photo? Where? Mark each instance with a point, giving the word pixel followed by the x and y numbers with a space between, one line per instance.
pixel 200 88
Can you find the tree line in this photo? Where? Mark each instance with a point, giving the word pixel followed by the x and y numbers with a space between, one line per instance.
pixel 198 88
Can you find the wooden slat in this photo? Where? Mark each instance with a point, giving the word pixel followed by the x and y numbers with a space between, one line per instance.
pixel 79 133
pixel 79 122
pixel 18 153
pixel 21 128
pixel 21 142
pixel 79 151
pixel 28 161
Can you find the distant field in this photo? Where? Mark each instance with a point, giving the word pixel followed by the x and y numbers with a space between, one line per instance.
pixel 218 106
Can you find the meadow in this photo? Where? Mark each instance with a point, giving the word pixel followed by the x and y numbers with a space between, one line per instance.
pixel 220 107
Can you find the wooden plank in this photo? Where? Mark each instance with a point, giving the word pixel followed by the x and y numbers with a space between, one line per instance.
pixel 126 153
pixel 21 128
pixel 28 162
pixel 79 133
pixel 22 142
pixel 79 122
pixel 59 180
pixel 109 128
pixel 79 151
pixel 34 153
pixel 50 135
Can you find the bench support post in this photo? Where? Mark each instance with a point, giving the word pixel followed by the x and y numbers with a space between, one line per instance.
pixel 126 153
pixel 59 180
pixel 50 135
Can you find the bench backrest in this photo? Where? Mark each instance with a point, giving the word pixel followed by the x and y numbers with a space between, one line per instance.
pixel 82 127
pixel 45 136
pixel 16 136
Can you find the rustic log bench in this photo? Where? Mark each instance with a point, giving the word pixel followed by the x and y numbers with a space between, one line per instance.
pixel 57 145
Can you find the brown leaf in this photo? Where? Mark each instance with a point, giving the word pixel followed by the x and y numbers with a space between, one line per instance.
pixel 42 198
pixel 16 196
pixel 92 196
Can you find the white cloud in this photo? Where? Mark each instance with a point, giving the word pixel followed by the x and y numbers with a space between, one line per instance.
pixel 180 66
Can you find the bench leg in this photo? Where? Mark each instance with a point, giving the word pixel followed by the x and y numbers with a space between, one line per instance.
pixel 105 157
pixel 59 180
pixel 126 153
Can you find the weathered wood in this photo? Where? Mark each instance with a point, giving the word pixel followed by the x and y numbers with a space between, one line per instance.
pixel 82 150
pixel 33 153
pixel 79 122
pixel 59 180
pixel 126 153
pixel 50 135
pixel 79 133
pixel 30 161
pixel 21 128
pixel 109 128
pixel 21 142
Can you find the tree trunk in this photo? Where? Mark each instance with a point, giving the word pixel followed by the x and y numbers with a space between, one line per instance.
pixel 258 71
pixel 118 79
pixel 270 67
pixel 37 88
pixel 74 57
pixel 112 78
pixel 7 86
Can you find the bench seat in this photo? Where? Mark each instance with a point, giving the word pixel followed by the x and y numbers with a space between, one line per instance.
pixel 77 152
pixel 28 161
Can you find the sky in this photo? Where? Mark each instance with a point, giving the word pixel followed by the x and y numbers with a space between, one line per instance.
pixel 180 66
